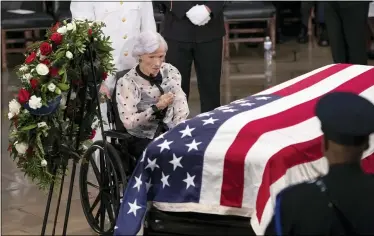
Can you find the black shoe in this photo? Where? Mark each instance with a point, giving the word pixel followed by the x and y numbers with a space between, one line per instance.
pixel 303 35
pixel 371 55
pixel 323 39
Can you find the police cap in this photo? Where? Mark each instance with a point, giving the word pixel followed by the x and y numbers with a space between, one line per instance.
pixel 346 118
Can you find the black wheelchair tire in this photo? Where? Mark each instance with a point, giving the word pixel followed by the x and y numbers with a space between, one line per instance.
pixel 114 161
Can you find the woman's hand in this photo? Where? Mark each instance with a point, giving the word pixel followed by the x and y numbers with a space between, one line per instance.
pixel 165 100
pixel 104 91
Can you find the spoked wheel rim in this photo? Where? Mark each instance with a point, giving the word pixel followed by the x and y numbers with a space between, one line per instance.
pixel 102 211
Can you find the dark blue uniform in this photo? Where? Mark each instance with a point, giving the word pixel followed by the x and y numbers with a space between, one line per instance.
pixel 342 202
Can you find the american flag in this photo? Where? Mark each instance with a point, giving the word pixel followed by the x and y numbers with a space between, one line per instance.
pixel 235 159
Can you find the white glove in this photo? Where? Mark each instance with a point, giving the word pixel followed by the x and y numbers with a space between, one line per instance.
pixel 198 14
pixel 205 21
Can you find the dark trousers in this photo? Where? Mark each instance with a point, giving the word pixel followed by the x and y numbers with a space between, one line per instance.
pixel 347 28
pixel 306 7
pixel 137 145
pixel 207 57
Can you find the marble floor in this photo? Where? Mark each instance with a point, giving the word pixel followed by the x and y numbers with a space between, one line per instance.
pixel 23 205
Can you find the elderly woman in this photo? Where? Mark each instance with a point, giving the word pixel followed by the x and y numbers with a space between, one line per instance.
pixel 147 89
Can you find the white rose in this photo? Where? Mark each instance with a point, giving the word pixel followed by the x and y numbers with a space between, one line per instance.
pixel 52 87
pixel 73 95
pixel 42 124
pixel 69 55
pixel 10 115
pixel 74 26
pixel 42 69
pixel 24 68
pixel 63 102
pixel 43 163
pixel 42 58
pixel 27 76
pixel 21 147
pixel 35 102
pixel 69 26
pixel 14 107
pixel 62 30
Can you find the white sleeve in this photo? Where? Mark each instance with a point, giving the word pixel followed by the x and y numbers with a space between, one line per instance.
pixel 82 10
pixel 180 104
pixel 147 17
pixel 127 97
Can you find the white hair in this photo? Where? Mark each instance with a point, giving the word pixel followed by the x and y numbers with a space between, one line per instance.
pixel 148 42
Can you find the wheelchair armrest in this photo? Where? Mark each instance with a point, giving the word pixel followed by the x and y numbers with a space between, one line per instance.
pixel 117 134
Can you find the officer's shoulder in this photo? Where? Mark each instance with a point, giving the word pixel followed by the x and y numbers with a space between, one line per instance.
pixel 306 188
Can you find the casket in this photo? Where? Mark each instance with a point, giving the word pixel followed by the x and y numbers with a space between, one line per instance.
pixel 234 160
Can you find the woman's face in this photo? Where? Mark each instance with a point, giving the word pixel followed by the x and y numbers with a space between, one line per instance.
pixel 151 62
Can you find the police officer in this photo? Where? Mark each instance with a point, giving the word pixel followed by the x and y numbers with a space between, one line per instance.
pixel 342 202
pixel 347 28
pixel 194 33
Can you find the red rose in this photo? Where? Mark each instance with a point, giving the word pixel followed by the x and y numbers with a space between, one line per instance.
pixel 53 71
pixel 55 27
pixel 93 134
pixel 89 32
pixel 104 75
pixel 56 38
pixel 29 151
pixel 34 83
pixel 77 82
pixel 23 95
pixel 45 48
pixel 30 58
pixel 10 147
pixel 45 62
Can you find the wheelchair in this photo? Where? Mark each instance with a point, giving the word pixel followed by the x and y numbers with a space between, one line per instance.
pixel 112 171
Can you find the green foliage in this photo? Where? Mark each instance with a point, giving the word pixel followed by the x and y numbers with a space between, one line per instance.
pixel 48 73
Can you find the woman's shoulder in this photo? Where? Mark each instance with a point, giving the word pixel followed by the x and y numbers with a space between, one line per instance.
pixel 129 77
pixel 168 70
pixel 167 67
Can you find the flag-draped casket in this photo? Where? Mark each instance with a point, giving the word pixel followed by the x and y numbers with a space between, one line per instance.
pixel 235 159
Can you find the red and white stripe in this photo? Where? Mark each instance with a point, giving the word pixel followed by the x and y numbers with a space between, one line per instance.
pixel 257 153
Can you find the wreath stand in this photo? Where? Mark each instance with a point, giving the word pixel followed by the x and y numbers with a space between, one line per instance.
pixel 59 155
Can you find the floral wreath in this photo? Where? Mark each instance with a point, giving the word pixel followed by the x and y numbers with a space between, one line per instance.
pixel 52 71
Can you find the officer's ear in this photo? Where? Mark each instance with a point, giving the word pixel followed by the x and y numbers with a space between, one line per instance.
pixel 325 144
pixel 365 145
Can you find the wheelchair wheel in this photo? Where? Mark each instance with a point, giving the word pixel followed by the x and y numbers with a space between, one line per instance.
pixel 102 201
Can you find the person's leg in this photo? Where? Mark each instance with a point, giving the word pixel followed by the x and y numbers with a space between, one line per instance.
pixel 305 9
pixel 320 12
pixel 355 31
pixel 208 65
pixel 133 150
pixel 370 38
pixel 320 20
pixel 335 33
pixel 179 54
pixel 138 145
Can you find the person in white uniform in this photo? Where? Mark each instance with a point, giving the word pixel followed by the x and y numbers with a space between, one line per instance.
pixel 124 21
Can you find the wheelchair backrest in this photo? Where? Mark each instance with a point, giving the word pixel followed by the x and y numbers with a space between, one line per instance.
pixel 112 106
